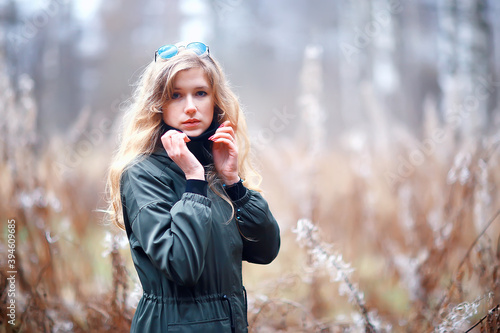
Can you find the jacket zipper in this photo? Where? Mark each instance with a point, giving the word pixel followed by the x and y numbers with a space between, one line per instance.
pixel 225 298
pixel 246 305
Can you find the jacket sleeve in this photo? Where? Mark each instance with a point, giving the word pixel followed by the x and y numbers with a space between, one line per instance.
pixel 173 233
pixel 259 229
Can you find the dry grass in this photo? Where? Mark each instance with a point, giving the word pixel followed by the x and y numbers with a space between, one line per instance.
pixel 424 250
pixel 420 247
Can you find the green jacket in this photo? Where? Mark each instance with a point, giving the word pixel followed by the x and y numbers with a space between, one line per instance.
pixel 188 257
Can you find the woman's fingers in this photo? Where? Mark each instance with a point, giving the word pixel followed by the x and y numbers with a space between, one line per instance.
pixel 166 138
pixel 225 152
pixel 172 134
pixel 177 142
pixel 225 139
pixel 225 131
pixel 222 135
pixel 230 143
pixel 226 127
pixel 174 142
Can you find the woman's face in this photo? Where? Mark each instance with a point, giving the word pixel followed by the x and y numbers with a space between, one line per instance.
pixel 191 107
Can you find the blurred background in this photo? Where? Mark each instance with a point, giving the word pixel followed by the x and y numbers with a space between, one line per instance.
pixel 373 123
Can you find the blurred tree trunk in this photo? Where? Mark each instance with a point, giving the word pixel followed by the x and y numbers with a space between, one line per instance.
pixel 61 56
pixel 385 77
pixel 370 81
pixel 465 66
pixel 495 27
pixel 383 24
pixel 354 62
pixel 8 20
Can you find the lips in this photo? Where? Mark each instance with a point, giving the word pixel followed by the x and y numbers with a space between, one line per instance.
pixel 191 122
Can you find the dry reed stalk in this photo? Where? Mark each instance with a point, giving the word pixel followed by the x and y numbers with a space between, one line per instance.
pixel 490 323
pixel 339 271
pixel 455 289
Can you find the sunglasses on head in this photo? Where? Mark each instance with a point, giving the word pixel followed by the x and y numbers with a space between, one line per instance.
pixel 170 50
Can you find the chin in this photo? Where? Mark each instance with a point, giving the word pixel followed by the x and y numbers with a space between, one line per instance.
pixel 194 133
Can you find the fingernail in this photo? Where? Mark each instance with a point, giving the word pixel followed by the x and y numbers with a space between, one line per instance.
pixel 221 125
pixel 211 138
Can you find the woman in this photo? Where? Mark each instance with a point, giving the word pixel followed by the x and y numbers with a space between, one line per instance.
pixel 181 186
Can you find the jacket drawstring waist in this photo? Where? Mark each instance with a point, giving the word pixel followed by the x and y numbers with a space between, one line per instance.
pixel 161 299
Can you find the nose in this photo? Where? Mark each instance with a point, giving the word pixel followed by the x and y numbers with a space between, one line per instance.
pixel 190 107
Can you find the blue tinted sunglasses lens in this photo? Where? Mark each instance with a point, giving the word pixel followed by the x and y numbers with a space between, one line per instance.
pixel 198 48
pixel 167 51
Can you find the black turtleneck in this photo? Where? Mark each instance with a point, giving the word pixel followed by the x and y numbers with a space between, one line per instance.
pixel 201 148
pixel 199 145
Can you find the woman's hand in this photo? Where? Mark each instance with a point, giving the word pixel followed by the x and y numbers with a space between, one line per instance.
pixel 174 143
pixel 225 152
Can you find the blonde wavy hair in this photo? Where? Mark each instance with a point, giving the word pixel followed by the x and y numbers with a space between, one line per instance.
pixel 141 129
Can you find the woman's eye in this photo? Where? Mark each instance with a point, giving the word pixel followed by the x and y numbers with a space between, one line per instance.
pixel 176 95
pixel 201 93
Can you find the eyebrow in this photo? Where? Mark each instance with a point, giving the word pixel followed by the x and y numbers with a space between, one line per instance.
pixel 195 88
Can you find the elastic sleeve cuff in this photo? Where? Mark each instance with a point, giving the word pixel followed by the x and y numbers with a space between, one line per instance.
pixel 197 186
pixel 236 191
